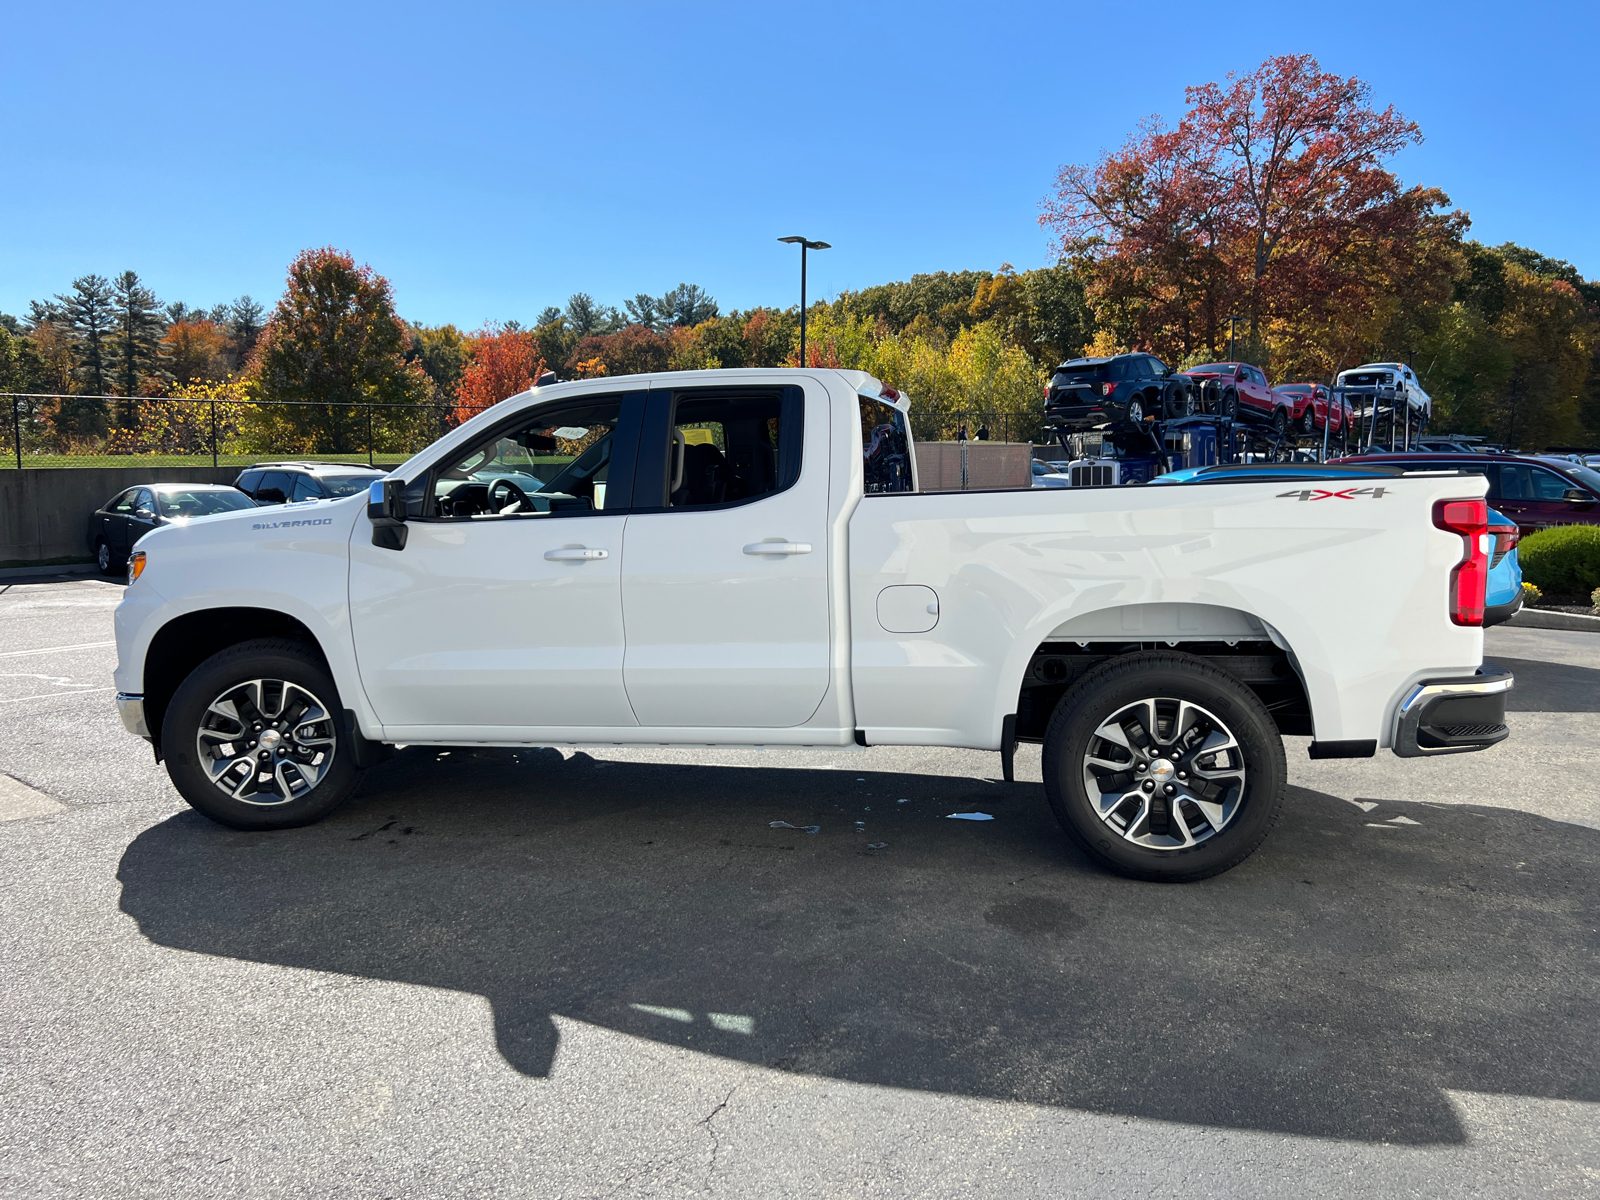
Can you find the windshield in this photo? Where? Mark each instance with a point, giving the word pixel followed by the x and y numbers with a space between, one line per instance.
pixel 1214 369
pixel 345 485
pixel 179 505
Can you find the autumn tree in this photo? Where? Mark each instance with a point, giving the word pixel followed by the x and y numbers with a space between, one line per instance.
pixel 633 350
pixel 500 362
pixel 195 350
pixel 332 345
pixel 1271 200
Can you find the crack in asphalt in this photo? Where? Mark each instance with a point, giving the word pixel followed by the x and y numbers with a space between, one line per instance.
pixel 716 1142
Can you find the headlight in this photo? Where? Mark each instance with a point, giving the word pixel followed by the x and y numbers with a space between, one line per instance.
pixel 135 565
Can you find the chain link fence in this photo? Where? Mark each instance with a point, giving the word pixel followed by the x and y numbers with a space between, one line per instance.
pixel 127 431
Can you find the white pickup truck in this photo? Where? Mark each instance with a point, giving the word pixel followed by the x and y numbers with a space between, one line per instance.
pixel 742 558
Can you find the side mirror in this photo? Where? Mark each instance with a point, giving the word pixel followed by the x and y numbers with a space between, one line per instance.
pixel 386 509
pixel 386 502
pixel 1577 496
pixel 144 514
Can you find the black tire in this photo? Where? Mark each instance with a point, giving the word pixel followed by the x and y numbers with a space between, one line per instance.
pixel 105 561
pixel 1120 685
pixel 1136 409
pixel 1280 422
pixel 1230 404
pixel 1308 422
pixel 271 659
pixel 1175 401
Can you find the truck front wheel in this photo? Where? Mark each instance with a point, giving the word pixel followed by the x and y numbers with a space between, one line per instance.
pixel 253 737
pixel 1164 767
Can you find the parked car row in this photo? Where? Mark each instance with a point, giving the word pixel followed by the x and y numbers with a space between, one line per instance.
pixel 133 512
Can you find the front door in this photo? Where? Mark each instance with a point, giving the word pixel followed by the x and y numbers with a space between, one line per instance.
pixel 504 608
pixel 1532 497
pixel 725 577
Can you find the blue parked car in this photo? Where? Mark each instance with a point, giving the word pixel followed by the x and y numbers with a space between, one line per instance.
pixel 1503 596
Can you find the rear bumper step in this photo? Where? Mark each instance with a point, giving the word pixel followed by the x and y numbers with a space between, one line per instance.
pixel 1453 716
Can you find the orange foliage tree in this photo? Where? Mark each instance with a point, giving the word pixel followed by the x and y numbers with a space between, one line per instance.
pixel 196 351
pixel 501 363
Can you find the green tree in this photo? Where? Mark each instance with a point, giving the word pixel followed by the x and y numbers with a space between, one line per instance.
pixel 585 317
pixel 441 351
pixel 333 345
pixel 88 311
pixel 244 320
pixel 136 343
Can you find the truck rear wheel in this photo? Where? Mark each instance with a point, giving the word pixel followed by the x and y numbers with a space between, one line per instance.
pixel 253 737
pixel 1164 767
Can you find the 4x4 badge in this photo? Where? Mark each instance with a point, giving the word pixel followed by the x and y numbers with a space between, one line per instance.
pixel 1324 494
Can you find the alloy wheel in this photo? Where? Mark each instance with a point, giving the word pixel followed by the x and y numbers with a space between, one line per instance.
pixel 266 741
pixel 1165 774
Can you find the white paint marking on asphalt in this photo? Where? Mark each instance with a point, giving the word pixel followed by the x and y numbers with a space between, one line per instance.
pixel 732 1023
pixel 1403 821
pixel 49 695
pixel 18 800
pixel 56 649
pixel 671 1014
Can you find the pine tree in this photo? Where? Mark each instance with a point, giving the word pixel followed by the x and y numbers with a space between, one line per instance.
pixel 138 338
pixel 87 310
pixel 245 321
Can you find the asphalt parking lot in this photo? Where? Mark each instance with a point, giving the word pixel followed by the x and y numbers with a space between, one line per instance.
pixel 574 973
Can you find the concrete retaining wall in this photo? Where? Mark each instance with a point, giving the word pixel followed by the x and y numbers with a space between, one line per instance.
pixel 44 513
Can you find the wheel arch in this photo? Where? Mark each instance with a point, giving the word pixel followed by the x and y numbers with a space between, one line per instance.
pixel 1231 639
pixel 190 638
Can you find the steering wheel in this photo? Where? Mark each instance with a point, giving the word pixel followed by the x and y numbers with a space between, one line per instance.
pixel 513 492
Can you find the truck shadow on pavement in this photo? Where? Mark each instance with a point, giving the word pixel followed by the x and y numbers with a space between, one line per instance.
pixel 1336 984
pixel 1551 686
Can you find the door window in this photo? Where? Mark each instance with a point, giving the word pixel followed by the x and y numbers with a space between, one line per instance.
pixel 1156 368
pixel 306 488
pixel 1529 483
pixel 124 504
pixel 885 452
pixel 725 446
pixel 275 487
pixel 144 504
pixel 557 464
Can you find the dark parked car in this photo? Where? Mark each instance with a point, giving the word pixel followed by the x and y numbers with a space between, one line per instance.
pixel 1125 387
pixel 286 482
pixel 125 518
pixel 1536 493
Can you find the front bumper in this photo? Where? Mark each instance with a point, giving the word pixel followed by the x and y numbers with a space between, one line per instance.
pixel 130 708
pixel 1453 716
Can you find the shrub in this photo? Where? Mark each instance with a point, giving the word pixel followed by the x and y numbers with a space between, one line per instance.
pixel 1565 560
pixel 1594 599
pixel 1531 594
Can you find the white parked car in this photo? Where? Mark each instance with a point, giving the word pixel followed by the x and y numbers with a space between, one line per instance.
pixel 1386 382
pixel 1045 476
pixel 743 558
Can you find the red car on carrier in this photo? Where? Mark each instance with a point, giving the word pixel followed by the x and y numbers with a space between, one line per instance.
pixel 1240 391
pixel 1312 405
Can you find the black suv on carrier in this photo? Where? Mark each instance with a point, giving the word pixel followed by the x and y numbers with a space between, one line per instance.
pixel 1127 387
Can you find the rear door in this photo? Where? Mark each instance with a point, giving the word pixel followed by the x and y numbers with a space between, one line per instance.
pixel 725 557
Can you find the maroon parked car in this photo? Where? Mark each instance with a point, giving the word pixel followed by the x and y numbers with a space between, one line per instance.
pixel 1534 492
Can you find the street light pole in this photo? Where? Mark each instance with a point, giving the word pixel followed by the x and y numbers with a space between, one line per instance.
pixel 804 246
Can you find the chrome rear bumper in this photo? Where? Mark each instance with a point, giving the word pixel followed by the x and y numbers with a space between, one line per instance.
pixel 1453 716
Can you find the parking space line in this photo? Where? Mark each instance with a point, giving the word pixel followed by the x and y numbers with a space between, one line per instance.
pixel 48 695
pixel 56 649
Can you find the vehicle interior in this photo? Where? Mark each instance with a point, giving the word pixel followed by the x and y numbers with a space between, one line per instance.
pixel 181 505
pixel 724 448
pixel 558 464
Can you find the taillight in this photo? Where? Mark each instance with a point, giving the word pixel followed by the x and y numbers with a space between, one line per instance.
pixel 1470 578
pixel 1506 538
pixel 1107 388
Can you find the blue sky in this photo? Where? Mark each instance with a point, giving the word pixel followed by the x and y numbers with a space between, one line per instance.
pixel 491 159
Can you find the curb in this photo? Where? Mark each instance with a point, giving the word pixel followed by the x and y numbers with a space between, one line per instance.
pixel 49 572
pixel 1533 618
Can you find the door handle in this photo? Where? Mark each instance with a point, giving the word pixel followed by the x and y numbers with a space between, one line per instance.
pixel 778 548
pixel 575 554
